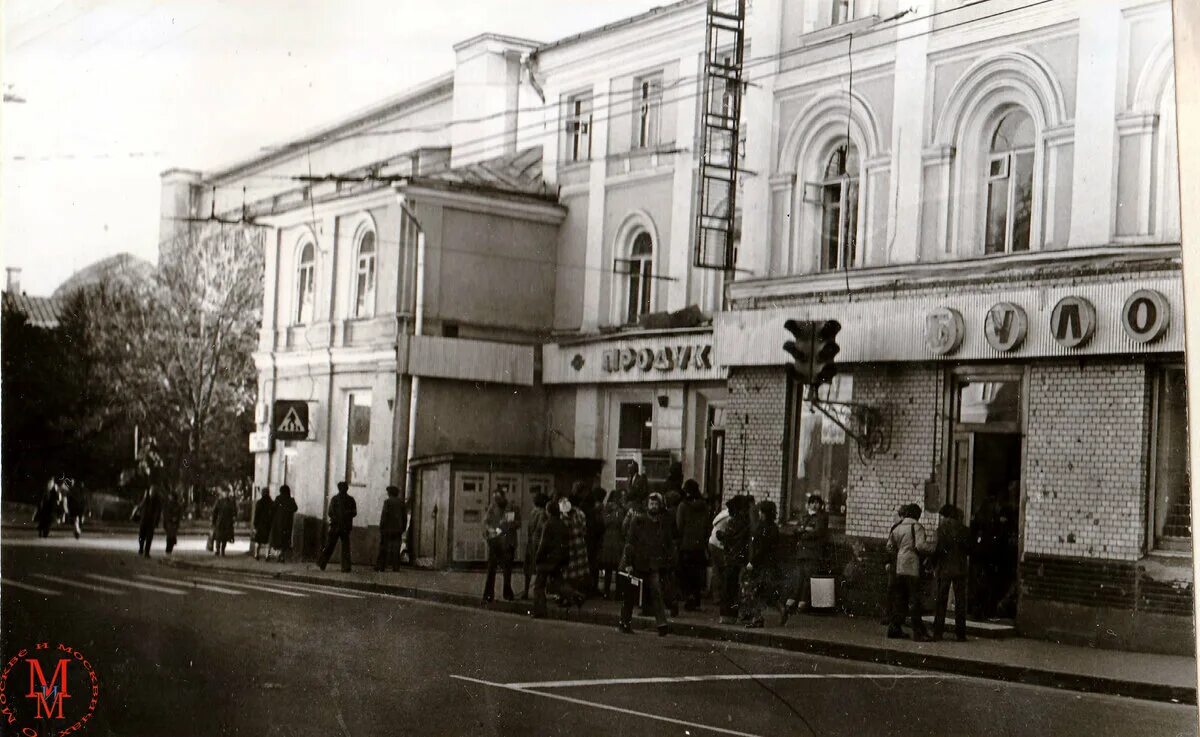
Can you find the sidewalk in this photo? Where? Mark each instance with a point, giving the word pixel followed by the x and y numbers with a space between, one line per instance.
pixel 1016 659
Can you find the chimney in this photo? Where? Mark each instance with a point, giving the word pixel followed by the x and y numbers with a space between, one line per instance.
pixel 14 280
pixel 180 193
pixel 487 87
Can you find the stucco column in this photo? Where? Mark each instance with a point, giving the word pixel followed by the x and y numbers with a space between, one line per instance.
pixel 683 200
pixel 908 140
pixel 763 29
pixel 1095 123
pixel 593 311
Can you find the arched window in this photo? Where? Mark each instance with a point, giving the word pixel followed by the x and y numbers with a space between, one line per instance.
pixel 1010 185
pixel 839 208
pixel 306 271
pixel 641 276
pixel 364 282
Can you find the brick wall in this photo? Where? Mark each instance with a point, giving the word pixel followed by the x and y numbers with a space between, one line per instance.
pixel 910 397
pixel 1088 430
pixel 755 421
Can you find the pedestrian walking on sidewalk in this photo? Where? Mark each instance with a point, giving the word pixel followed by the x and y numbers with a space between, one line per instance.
pixel 691 524
pixel 533 536
pixel 950 559
pixel 735 538
pixel 550 558
pixel 501 525
pixel 811 556
pixel 342 511
pixel 393 520
pixel 649 550
pixel 613 543
pixel 594 513
pixel 172 516
pixel 578 569
pixel 264 514
pixel 762 577
pixel 716 552
pixel 224 517
pixel 76 501
pixel 908 542
pixel 149 512
pixel 47 507
pixel 282 518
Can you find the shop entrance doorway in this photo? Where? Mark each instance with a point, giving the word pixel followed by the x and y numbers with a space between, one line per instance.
pixel 986 486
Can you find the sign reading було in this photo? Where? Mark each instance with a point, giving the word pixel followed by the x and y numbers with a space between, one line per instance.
pixel 1145 317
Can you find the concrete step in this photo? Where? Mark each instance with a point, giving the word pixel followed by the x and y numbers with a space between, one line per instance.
pixel 991 630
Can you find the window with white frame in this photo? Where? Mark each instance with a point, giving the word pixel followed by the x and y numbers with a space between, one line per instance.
pixel 639 270
pixel 1010 185
pixel 647 110
pixel 837 196
pixel 840 11
pixel 1169 509
pixel 579 128
pixel 306 270
pixel 364 280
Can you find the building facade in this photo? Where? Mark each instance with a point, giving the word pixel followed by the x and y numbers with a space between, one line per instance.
pixel 986 199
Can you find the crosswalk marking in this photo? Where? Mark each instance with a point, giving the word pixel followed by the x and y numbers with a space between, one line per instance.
pixel 28 586
pixel 204 586
pixel 80 584
pixel 253 587
pixel 311 588
pixel 135 584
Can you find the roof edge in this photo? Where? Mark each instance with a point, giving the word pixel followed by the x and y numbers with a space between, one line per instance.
pixel 654 12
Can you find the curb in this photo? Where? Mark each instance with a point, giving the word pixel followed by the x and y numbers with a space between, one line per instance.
pixel 826 648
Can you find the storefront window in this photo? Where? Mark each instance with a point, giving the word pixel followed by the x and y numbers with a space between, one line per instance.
pixel 636 426
pixel 821 457
pixel 358 438
pixel 1170 506
pixel 988 402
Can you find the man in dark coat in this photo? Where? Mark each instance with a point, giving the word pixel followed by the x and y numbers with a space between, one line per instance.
pixel 951 567
pixel 550 558
pixel 264 512
pixel 760 586
pixel 812 546
pixel 281 523
pixel 649 550
pixel 392 522
pixel 692 525
pixel 151 508
pixel 735 538
pixel 342 511
pixel 501 525
pixel 172 516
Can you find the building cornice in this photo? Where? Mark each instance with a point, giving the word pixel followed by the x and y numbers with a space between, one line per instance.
pixel 525 208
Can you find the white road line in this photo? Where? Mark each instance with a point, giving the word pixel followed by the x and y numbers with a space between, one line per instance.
pixel 191 584
pixel 309 587
pixel 723 677
pixel 28 586
pixel 136 584
pixel 80 584
pixel 607 707
pixel 252 587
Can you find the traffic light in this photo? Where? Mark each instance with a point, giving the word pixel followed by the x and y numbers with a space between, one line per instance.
pixel 800 348
pixel 825 350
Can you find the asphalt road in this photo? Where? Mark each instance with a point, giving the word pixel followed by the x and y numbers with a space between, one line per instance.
pixel 246 656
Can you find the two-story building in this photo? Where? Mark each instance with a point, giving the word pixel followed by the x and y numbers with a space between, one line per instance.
pixel 985 196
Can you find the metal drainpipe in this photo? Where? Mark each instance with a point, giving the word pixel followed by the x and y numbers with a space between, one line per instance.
pixel 418 329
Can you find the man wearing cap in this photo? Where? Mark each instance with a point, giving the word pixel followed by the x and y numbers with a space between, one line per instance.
pixel 649 550
pixel 342 511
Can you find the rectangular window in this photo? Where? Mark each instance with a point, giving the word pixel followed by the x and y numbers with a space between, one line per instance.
pixel 647 92
pixel 358 438
pixel 1170 510
pixel 364 288
pixel 579 128
pixel 841 11
pixel 821 453
pixel 304 295
pixel 636 426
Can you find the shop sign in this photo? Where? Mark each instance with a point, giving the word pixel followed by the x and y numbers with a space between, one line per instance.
pixel 1005 326
pixel 1146 315
pixel 1073 322
pixel 943 330
pixel 664 359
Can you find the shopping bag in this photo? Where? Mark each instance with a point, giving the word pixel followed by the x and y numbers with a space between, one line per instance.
pixel 632 580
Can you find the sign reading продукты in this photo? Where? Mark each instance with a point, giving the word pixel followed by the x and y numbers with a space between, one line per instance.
pixel 289 421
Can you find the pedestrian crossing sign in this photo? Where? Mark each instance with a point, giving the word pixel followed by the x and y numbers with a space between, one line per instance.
pixel 290 420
